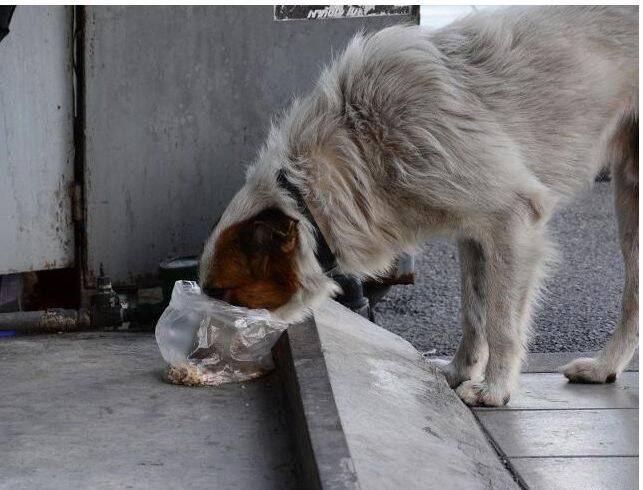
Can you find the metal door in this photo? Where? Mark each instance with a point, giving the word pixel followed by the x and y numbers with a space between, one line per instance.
pixel 36 140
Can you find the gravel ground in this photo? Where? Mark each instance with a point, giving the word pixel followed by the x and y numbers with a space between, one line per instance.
pixel 581 304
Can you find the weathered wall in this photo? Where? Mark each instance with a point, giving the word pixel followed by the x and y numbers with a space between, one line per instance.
pixel 36 141
pixel 178 101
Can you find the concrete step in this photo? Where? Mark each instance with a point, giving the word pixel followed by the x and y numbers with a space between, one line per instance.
pixel 323 460
pixel 350 405
pixel 403 426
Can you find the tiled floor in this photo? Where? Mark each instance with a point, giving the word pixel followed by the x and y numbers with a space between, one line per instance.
pixel 558 435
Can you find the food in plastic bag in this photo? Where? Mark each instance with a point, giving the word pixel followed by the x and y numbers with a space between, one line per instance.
pixel 209 342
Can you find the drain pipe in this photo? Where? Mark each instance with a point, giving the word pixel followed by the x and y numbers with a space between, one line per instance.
pixel 53 320
pixel 106 310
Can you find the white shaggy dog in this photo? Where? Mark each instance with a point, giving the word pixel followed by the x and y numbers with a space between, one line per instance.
pixel 479 131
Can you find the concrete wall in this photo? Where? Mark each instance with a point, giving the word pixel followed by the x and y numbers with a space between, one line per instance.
pixel 178 101
pixel 36 141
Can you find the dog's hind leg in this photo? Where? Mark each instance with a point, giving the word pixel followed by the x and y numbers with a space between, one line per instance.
pixel 620 349
pixel 471 356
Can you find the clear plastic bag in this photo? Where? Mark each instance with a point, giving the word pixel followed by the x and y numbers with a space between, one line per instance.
pixel 209 342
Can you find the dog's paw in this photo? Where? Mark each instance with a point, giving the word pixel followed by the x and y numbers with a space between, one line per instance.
pixel 588 370
pixel 479 394
pixel 454 376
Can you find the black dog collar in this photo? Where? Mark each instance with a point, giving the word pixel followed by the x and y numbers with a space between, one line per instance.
pixel 352 295
pixel 324 254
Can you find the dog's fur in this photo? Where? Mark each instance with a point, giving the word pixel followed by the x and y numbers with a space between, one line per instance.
pixel 478 130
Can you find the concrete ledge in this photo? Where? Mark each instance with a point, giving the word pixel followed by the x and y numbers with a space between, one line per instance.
pixel 367 407
pixel 323 460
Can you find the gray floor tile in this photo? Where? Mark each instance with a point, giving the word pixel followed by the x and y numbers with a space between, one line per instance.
pixel 553 391
pixel 578 473
pixel 549 362
pixel 563 432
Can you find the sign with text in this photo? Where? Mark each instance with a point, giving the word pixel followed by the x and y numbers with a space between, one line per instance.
pixel 299 12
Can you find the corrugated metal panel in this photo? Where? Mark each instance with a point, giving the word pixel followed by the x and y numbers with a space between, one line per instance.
pixel 36 141
pixel 178 101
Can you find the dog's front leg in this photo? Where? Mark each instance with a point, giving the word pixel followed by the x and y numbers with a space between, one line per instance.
pixel 471 357
pixel 514 258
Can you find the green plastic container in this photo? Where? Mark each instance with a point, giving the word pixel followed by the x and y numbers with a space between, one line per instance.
pixel 177 269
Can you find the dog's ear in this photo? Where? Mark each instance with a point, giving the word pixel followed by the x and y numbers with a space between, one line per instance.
pixel 275 233
pixel 273 236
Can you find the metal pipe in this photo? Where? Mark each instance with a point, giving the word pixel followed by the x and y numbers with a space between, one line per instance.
pixel 53 320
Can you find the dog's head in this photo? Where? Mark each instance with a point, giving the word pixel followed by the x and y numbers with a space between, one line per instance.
pixel 261 262
pixel 253 262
